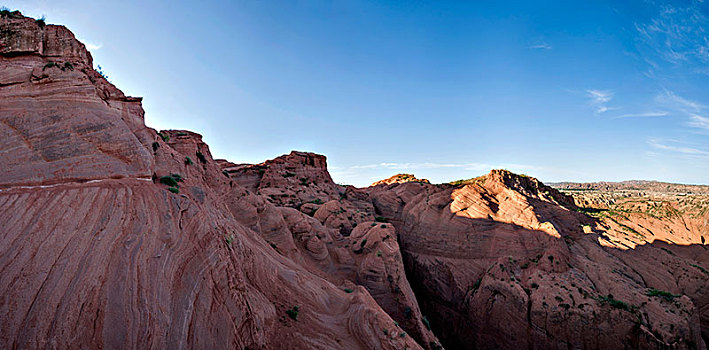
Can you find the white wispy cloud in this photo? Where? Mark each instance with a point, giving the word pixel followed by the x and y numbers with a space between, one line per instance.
pixel 599 99
pixel 642 115
pixel 698 122
pixel 541 46
pixel 677 34
pixel 673 101
pixel 676 147
pixel 93 47
pixel 465 166
pixel 600 96
pixel 695 111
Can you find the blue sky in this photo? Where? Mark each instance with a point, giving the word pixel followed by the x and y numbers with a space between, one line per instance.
pixel 581 91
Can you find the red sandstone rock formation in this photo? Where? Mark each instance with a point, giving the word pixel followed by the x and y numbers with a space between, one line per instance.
pixel 96 252
pixel 330 230
pixel 117 236
pixel 400 178
pixel 506 262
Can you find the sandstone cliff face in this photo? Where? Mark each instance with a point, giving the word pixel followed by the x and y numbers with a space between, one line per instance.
pixel 96 252
pixel 505 262
pixel 61 121
pixel 332 231
pixel 115 235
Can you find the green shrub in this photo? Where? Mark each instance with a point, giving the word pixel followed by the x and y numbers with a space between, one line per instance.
pixel 316 201
pixel 536 258
pixel 68 65
pixel 535 285
pixel 174 190
pixel 188 161
pixel 661 293
pixel 373 224
pixel 364 241
pixel 293 313
pixel 177 177
pixel 5 12
pixel 168 180
pixel 380 219
pixel 426 323
pixel 201 157
pixel 348 290
pixel 50 65
pixel 614 302
pixel 407 313
pixel 700 268
pixel 229 240
pixel 384 226
pixel 288 174
pixel 40 22
pixel 165 137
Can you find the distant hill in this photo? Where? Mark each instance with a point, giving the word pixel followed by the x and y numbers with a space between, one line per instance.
pixel 632 185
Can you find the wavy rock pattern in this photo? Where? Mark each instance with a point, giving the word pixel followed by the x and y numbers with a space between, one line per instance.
pixel 115 235
pixel 95 251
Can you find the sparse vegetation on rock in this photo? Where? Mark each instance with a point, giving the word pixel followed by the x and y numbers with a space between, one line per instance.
pixel 293 313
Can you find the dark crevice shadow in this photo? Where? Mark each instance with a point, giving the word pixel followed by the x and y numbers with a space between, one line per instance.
pixel 449 311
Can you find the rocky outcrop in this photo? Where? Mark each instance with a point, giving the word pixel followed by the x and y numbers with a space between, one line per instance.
pixel 115 236
pixel 633 186
pixel 61 121
pixel 332 231
pixel 400 178
pixel 505 262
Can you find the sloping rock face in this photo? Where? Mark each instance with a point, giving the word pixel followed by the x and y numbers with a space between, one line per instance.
pixel 398 179
pixel 117 236
pixel 61 121
pixel 646 211
pixel 332 231
pixel 506 262
pixel 111 238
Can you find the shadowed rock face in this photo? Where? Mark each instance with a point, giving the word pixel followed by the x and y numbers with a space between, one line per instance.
pixel 117 236
pixel 506 262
